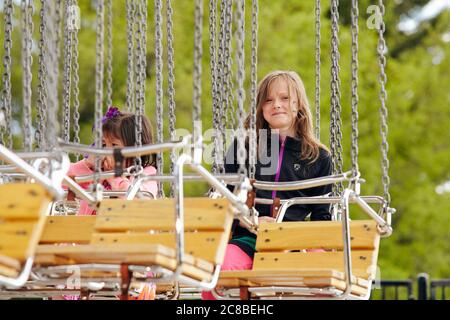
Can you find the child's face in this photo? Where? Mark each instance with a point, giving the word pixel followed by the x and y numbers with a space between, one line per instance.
pixel 280 110
pixel 110 142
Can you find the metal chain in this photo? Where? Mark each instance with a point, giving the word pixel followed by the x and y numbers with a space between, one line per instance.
pixel 171 86
pixel 42 85
pixel 99 67
pixel 221 84
pixel 27 60
pixel 109 53
pixel 254 63
pixel 58 27
pixel 67 71
pixel 139 80
pixel 317 98
pixel 6 92
pixel 196 113
pixel 333 100
pixel 140 74
pixel 130 101
pixel 240 76
pixel 383 107
pixel 75 87
pixel 214 85
pixel 355 98
pixel 159 87
pixel 51 66
pixel 335 125
pixel 229 87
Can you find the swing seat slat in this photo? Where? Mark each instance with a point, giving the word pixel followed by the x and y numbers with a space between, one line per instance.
pixel 309 255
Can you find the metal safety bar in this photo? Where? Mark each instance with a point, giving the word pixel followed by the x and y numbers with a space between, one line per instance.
pixel 383 225
pixel 183 160
pixel 79 191
pixel 124 193
pixel 162 178
pixel 304 184
pixel 91 200
pixel 38 154
pixel 20 280
pixel 321 200
pixel 127 152
pixel 22 166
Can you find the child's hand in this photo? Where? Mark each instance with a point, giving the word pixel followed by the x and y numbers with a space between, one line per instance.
pixel 108 164
pixel 90 162
pixel 260 219
pixel 266 219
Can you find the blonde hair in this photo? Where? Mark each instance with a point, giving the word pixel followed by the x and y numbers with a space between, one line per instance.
pixel 310 146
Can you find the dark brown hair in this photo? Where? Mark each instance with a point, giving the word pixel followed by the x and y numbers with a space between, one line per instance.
pixel 123 127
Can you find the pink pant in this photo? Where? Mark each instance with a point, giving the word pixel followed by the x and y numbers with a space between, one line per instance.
pixel 235 259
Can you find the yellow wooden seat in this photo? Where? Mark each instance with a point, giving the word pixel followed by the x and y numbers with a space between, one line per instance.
pixel 22 217
pixel 140 232
pixel 288 256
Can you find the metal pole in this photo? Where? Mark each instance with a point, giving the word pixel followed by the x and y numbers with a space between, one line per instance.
pixel 24 167
pixel 422 289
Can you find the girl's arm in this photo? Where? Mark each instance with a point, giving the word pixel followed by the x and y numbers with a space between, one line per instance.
pixel 119 183
pixel 322 211
pixel 79 168
pixel 150 186
pixel 122 183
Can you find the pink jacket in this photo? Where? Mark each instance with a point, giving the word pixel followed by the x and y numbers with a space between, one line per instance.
pixel 115 184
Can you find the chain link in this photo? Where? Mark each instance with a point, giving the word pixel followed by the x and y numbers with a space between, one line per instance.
pixel 214 85
pixel 333 98
pixel 76 87
pixel 67 71
pixel 197 93
pixel 335 123
pixel 51 66
pixel 240 75
pixel 253 80
pixel 141 65
pixel 229 86
pixel 130 101
pixel 221 84
pixel 99 84
pixel 58 28
pixel 171 86
pixel 317 97
pixel 383 107
pixel 159 87
pixel 27 60
pixel 109 53
pixel 355 98
pixel 226 114
pixel 42 85
pixel 139 80
pixel 8 12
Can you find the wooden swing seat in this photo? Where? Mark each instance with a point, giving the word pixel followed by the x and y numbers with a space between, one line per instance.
pixel 23 207
pixel 140 232
pixel 288 256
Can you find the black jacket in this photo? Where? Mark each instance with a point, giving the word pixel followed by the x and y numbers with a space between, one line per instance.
pixel 293 168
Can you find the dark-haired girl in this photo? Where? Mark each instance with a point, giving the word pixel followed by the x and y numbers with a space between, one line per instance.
pixel 118 131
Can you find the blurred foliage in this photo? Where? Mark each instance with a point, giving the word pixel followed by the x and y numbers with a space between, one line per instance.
pixel 418 100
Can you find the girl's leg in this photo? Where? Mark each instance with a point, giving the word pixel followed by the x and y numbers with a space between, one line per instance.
pixel 235 259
